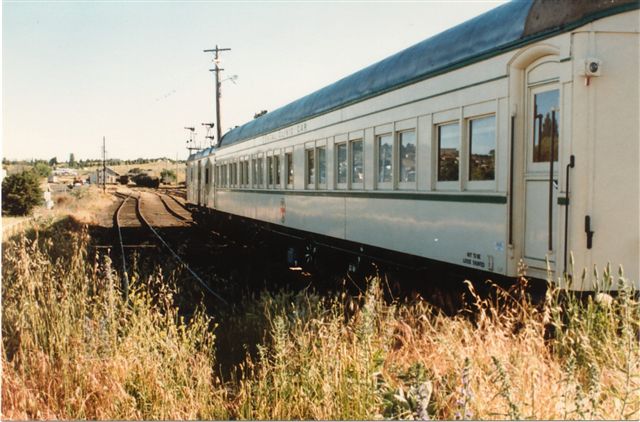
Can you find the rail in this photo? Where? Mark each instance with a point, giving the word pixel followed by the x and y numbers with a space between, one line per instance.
pixel 168 208
pixel 174 254
pixel 116 224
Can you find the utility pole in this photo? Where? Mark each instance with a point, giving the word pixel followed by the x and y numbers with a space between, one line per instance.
pixel 104 165
pixel 217 71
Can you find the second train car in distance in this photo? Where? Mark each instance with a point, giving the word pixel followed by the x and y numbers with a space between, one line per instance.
pixel 512 136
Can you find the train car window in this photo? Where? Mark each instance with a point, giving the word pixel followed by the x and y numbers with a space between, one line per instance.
pixel 270 171
pixel 481 133
pixel 234 173
pixel 322 167
pixel 252 166
pixel 357 163
pixel 246 173
pixel 289 163
pixel 260 171
pixel 546 116
pixel 407 155
pixel 449 152
pixel 385 158
pixel 311 168
pixel 276 165
pixel 341 160
pixel 206 175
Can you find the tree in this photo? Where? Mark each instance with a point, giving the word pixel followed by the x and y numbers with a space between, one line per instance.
pixel 20 193
pixel 168 176
pixel 53 161
pixel 42 169
pixel 72 160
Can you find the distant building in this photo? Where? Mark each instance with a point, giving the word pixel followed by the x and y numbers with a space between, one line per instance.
pixel 63 171
pixel 95 178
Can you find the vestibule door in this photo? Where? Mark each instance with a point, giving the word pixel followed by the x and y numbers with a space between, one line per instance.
pixel 541 173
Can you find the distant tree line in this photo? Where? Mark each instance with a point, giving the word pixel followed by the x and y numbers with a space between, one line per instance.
pixel 90 162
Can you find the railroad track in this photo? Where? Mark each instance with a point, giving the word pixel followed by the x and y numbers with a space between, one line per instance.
pixel 135 231
pixel 170 202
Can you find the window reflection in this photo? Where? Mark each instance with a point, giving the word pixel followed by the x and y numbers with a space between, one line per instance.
pixel 311 167
pixel 546 114
pixel 407 141
pixel 276 165
pixel 482 148
pixel 357 172
pixel 322 165
pixel 448 152
pixel 289 168
pixel 260 171
pixel 342 162
pixel 385 158
pixel 270 170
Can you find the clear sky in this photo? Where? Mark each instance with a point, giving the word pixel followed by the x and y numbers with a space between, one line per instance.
pixel 135 72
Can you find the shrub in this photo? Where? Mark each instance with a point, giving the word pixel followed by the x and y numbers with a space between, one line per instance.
pixel 147 181
pixel 168 176
pixel 20 193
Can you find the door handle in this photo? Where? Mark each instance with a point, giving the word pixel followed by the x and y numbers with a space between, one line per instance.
pixel 588 231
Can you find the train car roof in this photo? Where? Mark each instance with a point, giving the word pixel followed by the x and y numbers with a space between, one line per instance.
pixel 501 29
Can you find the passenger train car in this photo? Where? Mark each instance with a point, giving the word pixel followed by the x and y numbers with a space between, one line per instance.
pixel 511 137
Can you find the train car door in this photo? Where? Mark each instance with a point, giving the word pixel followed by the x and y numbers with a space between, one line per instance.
pixel 541 165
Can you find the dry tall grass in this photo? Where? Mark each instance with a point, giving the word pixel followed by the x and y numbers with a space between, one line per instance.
pixel 563 359
pixel 73 349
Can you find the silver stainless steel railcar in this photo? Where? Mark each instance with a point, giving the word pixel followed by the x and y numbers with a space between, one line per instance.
pixel 513 136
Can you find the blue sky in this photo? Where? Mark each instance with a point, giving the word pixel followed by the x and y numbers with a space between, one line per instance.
pixel 135 72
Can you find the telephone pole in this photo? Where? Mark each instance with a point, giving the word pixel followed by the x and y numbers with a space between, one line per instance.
pixel 217 70
pixel 104 165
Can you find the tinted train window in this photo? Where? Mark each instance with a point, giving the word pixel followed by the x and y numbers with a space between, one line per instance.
pixel 448 152
pixel 341 154
pixel 385 158
pixel 311 167
pixel 276 165
pixel 546 115
pixel 270 171
pixel 260 171
pixel 322 166
pixel 289 163
pixel 482 148
pixel 357 165
pixel 407 161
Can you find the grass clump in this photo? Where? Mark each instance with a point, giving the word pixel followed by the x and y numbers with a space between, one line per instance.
pixel 74 349
pixel 323 358
pixel 504 358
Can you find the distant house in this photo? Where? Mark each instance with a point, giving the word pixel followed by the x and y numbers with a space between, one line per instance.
pixel 63 171
pixel 95 178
